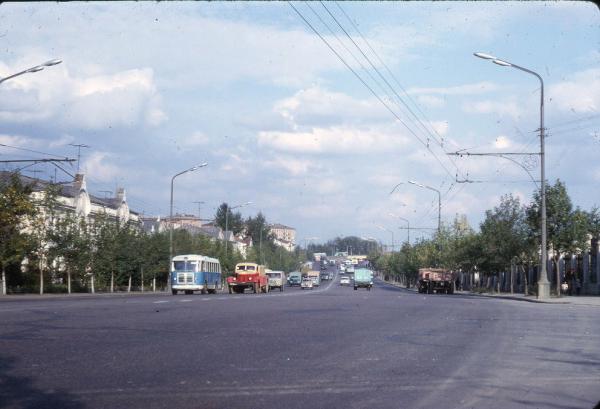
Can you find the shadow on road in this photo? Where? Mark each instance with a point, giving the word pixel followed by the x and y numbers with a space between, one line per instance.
pixel 20 392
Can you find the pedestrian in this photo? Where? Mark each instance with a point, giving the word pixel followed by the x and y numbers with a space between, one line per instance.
pixel 577 286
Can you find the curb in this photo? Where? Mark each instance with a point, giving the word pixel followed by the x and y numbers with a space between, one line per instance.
pixel 501 297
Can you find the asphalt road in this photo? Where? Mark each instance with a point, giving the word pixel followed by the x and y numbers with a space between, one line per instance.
pixel 331 347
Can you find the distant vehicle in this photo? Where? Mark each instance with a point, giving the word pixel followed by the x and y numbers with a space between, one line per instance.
pixel 332 262
pixel 248 275
pixel 294 278
pixel 342 268
pixel 363 277
pixel 323 266
pixel 319 256
pixel 276 280
pixel 350 269
pixel 193 272
pixel 315 276
pixel 325 276
pixel 344 280
pixel 307 282
pixel 436 279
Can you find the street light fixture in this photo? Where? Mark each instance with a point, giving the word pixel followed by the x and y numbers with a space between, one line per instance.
pixel 227 222
pixel 412 182
pixel 32 69
pixel 543 283
pixel 192 169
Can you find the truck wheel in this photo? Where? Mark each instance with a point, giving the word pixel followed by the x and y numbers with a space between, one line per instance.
pixel 174 292
pixel 281 289
pixel 369 288
pixel 355 288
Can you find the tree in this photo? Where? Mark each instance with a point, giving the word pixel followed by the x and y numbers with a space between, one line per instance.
pixel 41 226
pixel 15 207
pixel 71 246
pixel 567 230
pixel 504 234
pixel 227 220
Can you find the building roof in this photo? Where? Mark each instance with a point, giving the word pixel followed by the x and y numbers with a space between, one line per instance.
pixel 281 226
pixel 65 189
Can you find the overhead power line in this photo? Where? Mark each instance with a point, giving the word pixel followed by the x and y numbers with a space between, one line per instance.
pixel 369 88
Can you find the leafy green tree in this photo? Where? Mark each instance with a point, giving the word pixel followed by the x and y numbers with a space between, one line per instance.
pixel 41 226
pixel 71 246
pixel 227 220
pixel 567 229
pixel 504 234
pixel 15 207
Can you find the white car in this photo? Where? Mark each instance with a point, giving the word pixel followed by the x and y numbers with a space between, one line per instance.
pixel 306 283
pixel 344 280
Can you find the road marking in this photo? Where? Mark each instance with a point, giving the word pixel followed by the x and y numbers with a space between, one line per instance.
pixel 159 302
pixel 186 300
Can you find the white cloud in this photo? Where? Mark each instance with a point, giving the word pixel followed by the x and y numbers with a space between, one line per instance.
pixel 19 141
pixel 198 138
pixel 502 142
pixel 97 166
pixel 431 101
pixel 123 99
pixel 293 166
pixel 334 140
pixel 501 108
pixel 465 89
pixel 580 94
pixel 317 106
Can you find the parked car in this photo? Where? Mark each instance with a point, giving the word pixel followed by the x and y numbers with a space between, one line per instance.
pixel 307 282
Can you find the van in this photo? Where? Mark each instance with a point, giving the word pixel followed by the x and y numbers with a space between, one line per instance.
pixel 276 279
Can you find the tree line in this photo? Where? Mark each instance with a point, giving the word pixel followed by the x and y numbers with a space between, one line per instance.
pixel 508 235
pixel 46 247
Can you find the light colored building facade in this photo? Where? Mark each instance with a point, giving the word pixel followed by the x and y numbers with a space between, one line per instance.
pixel 284 236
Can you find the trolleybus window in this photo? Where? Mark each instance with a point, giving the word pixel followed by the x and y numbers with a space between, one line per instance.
pixel 184 266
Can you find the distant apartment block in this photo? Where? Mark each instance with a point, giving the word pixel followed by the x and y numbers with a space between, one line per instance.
pixel 284 236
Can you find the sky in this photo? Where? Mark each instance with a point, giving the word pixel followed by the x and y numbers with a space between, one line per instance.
pixel 314 128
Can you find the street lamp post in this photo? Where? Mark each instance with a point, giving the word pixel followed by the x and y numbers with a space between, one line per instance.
pixel 192 169
pixel 407 227
pixel 32 69
pixel 227 222
pixel 543 283
pixel 412 182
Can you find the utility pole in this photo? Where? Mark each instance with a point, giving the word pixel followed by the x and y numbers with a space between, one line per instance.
pixel 79 146
pixel 199 203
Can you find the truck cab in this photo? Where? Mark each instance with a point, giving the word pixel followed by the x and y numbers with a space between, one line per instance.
pixel 248 275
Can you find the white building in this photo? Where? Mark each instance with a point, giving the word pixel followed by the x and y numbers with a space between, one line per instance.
pixel 284 236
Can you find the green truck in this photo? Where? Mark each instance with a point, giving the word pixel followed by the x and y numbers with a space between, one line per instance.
pixel 363 277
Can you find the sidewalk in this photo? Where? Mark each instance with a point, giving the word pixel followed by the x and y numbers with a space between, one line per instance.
pixel 566 299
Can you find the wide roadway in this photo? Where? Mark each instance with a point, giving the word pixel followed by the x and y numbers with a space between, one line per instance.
pixel 331 347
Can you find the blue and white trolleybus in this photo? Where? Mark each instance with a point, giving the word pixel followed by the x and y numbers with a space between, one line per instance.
pixel 193 272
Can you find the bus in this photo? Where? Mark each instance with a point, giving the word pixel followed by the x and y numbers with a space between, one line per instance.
pixel 193 272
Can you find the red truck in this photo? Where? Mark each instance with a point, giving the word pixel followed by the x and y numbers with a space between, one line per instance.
pixel 248 275
pixel 436 279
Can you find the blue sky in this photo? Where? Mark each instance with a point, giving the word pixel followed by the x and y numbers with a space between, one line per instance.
pixel 155 88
